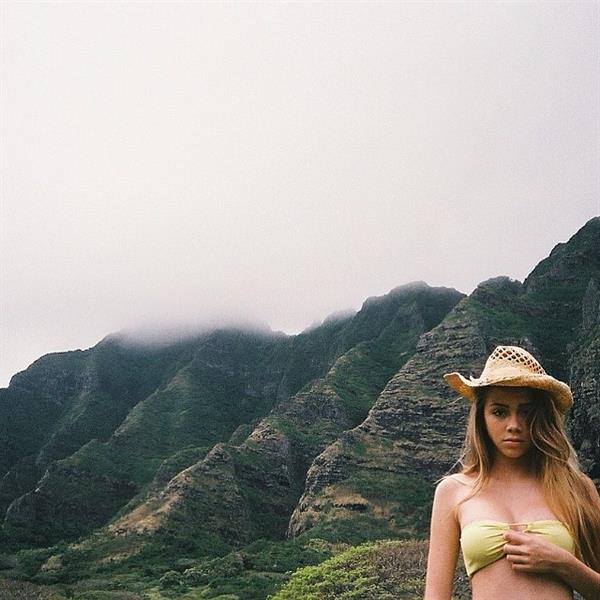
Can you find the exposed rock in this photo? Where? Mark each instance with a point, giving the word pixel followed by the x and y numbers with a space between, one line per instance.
pixel 261 479
pixel 584 421
pixel 416 413
pixel 137 406
pixel 415 430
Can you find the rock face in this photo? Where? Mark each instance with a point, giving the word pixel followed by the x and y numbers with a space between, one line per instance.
pixel 411 436
pixel 584 424
pixel 260 480
pixel 132 407
pixel 169 405
pixel 367 479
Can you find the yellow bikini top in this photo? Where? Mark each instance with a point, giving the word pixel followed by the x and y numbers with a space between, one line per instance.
pixel 482 541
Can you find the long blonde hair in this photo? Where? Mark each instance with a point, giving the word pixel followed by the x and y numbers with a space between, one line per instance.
pixel 553 462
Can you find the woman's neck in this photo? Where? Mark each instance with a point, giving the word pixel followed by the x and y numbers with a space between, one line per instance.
pixel 506 469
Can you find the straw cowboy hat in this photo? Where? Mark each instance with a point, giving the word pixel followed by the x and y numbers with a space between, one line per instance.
pixel 515 367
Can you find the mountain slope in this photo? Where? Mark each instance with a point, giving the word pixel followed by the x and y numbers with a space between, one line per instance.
pixel 158 402
pixel 378 478
pixel 240 492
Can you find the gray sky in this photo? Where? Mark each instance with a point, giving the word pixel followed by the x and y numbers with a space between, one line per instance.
pixel 172 162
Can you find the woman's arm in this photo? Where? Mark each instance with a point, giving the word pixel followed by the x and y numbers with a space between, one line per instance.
pixel 580 577
pixel 576 573
pixel 443 542
pixel 531 553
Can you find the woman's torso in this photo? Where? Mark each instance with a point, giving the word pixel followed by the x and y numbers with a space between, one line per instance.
pixel 518 503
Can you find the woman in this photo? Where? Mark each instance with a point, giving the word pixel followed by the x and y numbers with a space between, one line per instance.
pixel 526 517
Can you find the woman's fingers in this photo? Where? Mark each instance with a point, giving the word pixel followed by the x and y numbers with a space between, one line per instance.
pixel 518 556
pixel 518 559
pixel 514 549
pixel 527 552
pixel 516 537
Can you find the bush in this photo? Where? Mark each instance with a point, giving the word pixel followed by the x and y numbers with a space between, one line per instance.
pixel 228 566
pixel 171 579
pixel 391 570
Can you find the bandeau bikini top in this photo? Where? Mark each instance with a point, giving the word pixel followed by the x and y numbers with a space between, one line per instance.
pixel 482 542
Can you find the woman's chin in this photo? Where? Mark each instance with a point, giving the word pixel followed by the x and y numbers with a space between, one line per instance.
pixel 513 452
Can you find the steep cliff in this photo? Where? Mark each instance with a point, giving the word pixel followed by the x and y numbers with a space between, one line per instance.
pixel 133 406
pixel 378 477
pixel 584 424
pixel 241 492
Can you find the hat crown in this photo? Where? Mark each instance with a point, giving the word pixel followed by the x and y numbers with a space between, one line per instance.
pixel 514 358
pixel 513 367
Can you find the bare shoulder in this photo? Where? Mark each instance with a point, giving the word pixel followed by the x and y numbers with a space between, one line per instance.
pixel 445 503
pixel 453 488
pixel 462 479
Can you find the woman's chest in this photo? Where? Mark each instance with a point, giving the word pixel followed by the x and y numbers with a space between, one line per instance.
pixel 508 504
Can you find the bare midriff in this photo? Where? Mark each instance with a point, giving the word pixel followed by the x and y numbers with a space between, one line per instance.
pixel 498 581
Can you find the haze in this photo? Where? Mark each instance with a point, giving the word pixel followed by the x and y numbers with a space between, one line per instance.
pixel 177 164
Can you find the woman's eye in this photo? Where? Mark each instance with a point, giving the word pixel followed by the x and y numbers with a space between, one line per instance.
pixel 498 413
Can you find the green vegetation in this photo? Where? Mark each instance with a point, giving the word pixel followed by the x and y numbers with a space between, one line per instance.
pixel 389 570
pixel 353 529
pixel 199 404
pixel 411 495
pixel 358 377
pixel 158 572
pixel 398 507
pixel 300 569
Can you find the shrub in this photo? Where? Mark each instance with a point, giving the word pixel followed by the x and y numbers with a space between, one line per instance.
pixel 390 570
pixel 171 579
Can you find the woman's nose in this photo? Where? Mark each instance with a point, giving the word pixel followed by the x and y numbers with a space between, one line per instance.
pixel 514 423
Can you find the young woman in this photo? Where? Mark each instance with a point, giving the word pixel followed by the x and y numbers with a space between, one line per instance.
pixel 524 515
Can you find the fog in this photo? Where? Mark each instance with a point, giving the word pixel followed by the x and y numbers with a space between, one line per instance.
pixel 172 166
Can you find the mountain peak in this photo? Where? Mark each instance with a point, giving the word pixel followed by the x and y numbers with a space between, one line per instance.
pixel 579 255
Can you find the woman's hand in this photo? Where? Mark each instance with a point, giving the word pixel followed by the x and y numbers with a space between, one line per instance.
pixel 532 553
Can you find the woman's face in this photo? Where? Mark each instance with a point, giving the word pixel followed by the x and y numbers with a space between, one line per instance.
pixel 506 411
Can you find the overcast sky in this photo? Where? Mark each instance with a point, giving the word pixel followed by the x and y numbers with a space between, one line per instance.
pixel 172 162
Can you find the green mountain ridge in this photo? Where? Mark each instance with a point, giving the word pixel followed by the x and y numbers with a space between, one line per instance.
pixel 191 465
pixel 206 388
pixel 265 473
pixel 371 475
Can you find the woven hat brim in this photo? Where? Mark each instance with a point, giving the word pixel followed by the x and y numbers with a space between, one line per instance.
pixel 560 392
